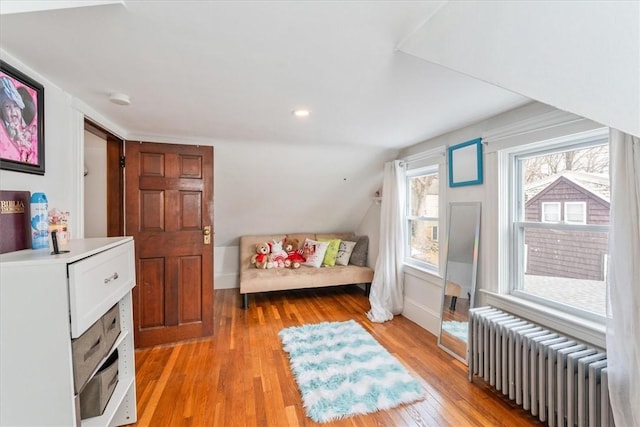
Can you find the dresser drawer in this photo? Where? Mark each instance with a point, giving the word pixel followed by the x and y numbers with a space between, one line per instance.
pixel 95 396
pixel 98 282
pixel 111 326
pixel 87 351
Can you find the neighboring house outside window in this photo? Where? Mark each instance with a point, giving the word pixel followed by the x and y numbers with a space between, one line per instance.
pixel 561 225
pixel 423 217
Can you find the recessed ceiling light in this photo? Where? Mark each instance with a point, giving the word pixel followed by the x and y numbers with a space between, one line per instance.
pixel 120 99
pixel 301 113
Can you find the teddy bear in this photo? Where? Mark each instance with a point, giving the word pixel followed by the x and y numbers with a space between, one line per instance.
pixel 278 254
pixel 294 255
pixel 261 258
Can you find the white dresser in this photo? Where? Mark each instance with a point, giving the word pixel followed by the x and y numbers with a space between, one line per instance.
pixel 46 302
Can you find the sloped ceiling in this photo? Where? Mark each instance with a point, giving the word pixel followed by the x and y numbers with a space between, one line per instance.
pixel 234 71
pixel 229 74
pixel 578 56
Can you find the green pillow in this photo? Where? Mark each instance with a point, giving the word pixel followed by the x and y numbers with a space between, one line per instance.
pixel 332 252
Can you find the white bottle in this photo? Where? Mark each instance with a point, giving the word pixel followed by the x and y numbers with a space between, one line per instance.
pixel 39 221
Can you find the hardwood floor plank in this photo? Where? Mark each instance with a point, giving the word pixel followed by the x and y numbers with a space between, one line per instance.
pixel 241 376
pixel 292 417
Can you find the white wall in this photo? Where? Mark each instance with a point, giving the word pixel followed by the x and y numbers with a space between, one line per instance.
pixel 423 291
pixel 370 226
pixel 62 173
pixel 581 57
pixel 270 187
pixel 422 298
pixel 95 186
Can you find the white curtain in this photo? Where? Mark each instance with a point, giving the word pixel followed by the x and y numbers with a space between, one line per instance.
pixel 623 308
pixel 387 287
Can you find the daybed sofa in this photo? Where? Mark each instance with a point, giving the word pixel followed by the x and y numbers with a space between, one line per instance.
pixel 253 280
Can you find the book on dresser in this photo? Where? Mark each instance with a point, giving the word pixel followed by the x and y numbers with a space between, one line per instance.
pixel 14 220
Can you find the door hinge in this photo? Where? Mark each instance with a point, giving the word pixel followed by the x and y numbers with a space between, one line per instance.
pixel 122 162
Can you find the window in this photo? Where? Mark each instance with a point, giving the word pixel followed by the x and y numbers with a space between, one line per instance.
pixel 560 223
pixel 575 212
pixel 423 216
pixel 551 212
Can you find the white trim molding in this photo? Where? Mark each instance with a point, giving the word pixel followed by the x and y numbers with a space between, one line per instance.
pixel 421 315
pixel 536 128
pixel 422 298
pixel 590 332
pixel 433 156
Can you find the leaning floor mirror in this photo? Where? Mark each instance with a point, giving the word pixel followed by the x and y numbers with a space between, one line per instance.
pixel 459 282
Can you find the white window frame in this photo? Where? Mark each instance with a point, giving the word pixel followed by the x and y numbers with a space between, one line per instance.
pixel 543 210
pixel 413 173
pixel 517 222
pixel 583 209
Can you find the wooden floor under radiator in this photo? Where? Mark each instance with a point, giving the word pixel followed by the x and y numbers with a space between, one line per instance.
pixel 241 376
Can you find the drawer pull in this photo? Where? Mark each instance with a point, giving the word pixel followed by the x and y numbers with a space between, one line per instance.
pixel 113 380
pixel 110 278
pixel 94 348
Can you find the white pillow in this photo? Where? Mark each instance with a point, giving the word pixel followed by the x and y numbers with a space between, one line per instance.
pixel 314 251
pixel 344 252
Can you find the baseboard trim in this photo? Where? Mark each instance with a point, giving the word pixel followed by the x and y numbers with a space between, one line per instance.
pixel 421 315
pixel 226 281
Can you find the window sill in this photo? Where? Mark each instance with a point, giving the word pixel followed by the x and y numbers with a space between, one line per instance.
pixel 587 331
pixel 421 272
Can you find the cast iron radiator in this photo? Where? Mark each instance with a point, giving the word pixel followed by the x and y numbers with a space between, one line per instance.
pixel 558 379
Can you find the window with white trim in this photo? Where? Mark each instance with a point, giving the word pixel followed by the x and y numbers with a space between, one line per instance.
pixel 575 212
pixel 560 224
pixel 423 188
pixel 550 212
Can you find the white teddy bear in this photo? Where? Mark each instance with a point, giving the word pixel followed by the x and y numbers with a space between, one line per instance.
pixel 278 254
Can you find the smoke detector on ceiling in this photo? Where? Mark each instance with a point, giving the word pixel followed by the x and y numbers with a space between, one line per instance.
pixel 120 99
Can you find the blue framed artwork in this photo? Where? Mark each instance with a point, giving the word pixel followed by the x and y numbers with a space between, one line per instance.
pixel 465 163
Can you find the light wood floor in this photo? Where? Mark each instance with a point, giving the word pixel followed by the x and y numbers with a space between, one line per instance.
pixel 241 376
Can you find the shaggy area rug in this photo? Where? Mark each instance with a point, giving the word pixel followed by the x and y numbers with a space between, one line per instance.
pixel 459 330
pixel 341 371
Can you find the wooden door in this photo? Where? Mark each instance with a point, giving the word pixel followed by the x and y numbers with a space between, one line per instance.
pixel 169 213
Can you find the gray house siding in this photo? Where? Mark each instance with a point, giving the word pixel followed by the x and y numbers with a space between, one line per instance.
pixel 575 254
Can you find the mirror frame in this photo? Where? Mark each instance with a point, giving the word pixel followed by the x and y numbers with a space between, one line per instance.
pixel 476 242
pixel 465 163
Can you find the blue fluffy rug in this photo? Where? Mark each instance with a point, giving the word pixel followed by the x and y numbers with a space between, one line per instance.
pixel 341 371
pixel 459 330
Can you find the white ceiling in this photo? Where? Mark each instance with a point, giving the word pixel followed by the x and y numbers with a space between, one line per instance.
pixel 234 71
pixel 577 56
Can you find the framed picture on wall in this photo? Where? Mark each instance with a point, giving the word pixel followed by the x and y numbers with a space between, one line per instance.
pixel 465 163
pixel 22 117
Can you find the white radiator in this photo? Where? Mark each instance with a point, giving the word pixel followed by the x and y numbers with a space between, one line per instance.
pixel 561 381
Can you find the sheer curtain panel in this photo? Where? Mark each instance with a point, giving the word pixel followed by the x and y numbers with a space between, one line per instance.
pixel 623 308
pixel 387 287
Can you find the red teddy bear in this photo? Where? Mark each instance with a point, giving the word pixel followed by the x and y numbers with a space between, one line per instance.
pixel 294 253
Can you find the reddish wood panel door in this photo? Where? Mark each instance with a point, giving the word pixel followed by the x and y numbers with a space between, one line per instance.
pixel 169 213
pixel 115 187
